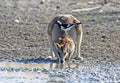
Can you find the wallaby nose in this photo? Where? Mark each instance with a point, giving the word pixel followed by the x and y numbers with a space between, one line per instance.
pixel 62 61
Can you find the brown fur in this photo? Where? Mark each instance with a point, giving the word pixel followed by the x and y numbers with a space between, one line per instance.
pixel 55 33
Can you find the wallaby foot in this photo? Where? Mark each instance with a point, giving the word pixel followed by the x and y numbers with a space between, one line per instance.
pixel 79 58
pixel 51 57
pixel 48 57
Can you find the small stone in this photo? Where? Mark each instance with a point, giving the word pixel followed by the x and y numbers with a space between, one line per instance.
pixel 88 33
pixel 41 2
pixel 58 7
pixel 104 36
pixel 17 21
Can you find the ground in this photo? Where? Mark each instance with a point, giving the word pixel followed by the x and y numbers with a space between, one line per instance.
pixel 23 28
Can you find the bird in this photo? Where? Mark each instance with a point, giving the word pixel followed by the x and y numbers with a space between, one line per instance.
pixel 66 26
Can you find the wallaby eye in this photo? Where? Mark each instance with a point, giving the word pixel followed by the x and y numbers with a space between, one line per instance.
pixel 65 53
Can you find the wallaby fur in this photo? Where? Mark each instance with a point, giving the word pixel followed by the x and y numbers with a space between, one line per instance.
pixel 73 37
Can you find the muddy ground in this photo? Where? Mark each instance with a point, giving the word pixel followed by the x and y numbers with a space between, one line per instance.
pixel 23 27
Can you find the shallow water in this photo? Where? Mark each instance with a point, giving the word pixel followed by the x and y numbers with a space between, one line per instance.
pixel 70 72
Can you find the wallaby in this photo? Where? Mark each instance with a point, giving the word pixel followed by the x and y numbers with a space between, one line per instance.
pixel 63 48
pixel 64 28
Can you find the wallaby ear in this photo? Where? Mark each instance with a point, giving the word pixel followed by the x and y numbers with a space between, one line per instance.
pixel 57 45
pixel 75 20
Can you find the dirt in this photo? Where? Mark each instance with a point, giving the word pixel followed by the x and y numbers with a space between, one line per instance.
pixel 23 34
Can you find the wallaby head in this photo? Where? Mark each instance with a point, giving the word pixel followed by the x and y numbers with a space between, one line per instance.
pixel 64 47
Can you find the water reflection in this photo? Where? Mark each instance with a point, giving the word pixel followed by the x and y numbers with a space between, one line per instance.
pixel 69 65
pixel 22 65
pixel 42 72
pixel 69 72
pixel 38 65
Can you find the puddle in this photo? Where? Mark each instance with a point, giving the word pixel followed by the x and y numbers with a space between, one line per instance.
pixel 22 65
pixel 31 72
pixel 73 72
pixel 15 72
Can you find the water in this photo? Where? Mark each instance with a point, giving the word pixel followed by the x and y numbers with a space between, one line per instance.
pixel 70 72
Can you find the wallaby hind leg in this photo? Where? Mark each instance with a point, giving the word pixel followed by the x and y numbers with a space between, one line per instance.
pixel 70 55
pixel 79 40
pixel 52 54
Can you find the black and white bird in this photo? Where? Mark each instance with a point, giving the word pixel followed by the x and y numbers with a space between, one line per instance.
pixel 66 26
